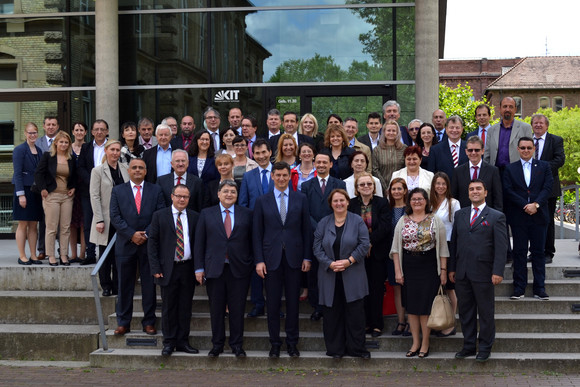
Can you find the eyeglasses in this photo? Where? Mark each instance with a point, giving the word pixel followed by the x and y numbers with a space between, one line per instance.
pixel 417 200
pixel 369 184
pixel 526 147
pixel 239 145
pixel 181 197
pixel 32 133
pixel 473 150
pixel 413 129
pixel 211 118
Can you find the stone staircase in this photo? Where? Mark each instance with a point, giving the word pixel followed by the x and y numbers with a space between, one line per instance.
pixel 49 314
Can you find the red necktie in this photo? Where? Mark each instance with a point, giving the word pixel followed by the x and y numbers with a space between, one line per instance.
pixel 454 156
pixel 228 224
pixel 179 249
pixel 474 173
pixel 178 180
pixel 138 199
pixel 483 136
pixel 474 216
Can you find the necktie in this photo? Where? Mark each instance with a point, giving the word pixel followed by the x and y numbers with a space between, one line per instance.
pixel 283 207
pixel 527 173
pixel 475 168
pixel 323 187
pixel 474 216
pixel 483 136
pixel 178 180
pixel 228 224
pixel 179 251
pixel 264 181
pixel 138 199
pixel 49 142
pixel 440 135
pixel 250 150
pixel 213 136
pixel 454 155
pixel 186 142
pixel 537 145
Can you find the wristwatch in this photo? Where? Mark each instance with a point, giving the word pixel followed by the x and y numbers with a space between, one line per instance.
pixel 537 206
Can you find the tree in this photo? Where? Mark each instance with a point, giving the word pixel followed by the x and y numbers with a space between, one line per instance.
pixel 459 101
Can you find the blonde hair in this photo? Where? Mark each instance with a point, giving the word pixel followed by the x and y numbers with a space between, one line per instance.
pixel 60 134
pixel 383 139
pixel 107 145
pixel 311 116
pixel 335 128
pixel 284 137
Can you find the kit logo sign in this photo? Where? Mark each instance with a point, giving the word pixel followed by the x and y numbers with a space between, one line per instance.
pixel 227 96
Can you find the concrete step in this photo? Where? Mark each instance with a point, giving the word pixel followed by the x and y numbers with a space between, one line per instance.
pixel 314 341
pixel 500 362
pixel 52 307
pixel 562 287
pixel 47 342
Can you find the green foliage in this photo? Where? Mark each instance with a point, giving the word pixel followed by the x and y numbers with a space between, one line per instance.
pixel 459 101
pixel 565 124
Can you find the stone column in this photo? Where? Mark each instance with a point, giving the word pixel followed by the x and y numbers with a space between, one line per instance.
pixel 107 64
pixel 426 58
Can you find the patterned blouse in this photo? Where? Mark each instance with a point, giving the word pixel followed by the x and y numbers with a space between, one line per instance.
pixel 419 236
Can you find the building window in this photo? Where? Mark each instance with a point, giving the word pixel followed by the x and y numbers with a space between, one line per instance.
pixel 184 32
pixel 518 106
pixel 544 102
pixel 558 104
pixel 7 6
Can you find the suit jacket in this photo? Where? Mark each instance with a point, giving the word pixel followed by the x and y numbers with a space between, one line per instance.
pixel 100 194
pixel 42 143
pixel 150 158
pixel 124 216
pixel 381 236
pixel 407 140
pixel 252 188
pixel 196 190
pixel 86 163
pixel 209 171
pixel 271 238
pixel 45 175
pixel 355 243
pixel 489 174
pixel 519 129
pixel 366 140
pixel 489 234
pixel 302 138
pixel 553 154
pixel 440 159
pixel 163 241
pixel 25 164
pixel 317 201
pixel 212 245
pixel 518 194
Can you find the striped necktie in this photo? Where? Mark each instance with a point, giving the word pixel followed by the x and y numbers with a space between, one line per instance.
pixel 179 249
pixel 454 155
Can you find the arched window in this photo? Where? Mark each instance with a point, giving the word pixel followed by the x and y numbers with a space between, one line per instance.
pixel 544 102
pixel 558 104
pixel 518 106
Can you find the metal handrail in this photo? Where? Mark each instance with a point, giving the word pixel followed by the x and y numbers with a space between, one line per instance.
pixel 98 305
pixel 568 188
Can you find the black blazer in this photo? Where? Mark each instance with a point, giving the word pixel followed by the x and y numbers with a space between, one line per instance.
pixel 150 158
pixel 381 235
pixel 163 241
pixel 341 168
pixel 196 190
pixel 86 163
pixel 318 202
pixel 212 245
pixel 553 154
pixel 440 159
pixel 489 174
pixel 45 175
pixel 209 171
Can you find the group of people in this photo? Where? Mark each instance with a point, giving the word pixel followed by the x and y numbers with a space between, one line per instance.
pixel 326 218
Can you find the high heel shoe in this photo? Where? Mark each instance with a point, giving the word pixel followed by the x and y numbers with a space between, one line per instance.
pixel 423 355
pixel 412 353
pixel 25 263
pixel 52 264
pixel 64 263
pixel 397 331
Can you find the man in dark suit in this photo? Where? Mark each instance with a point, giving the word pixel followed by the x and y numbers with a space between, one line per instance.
pixel 475 272
pixel 449 154
pixel 392 112
pixel 212 120
pixel 183 139
pixel 319 208
pixel 256 183
pixel 249 129
pixel 439 118
pixel 224 256
pixel 132 207
pixel 290 124
pixel 170 250
pixel 179 164
pixel 482 116
pixel 282 240
pixel 374 131
pixel 476 168
pixel 158 158
pixel 527 185
pixel 549 148
pixel 91 156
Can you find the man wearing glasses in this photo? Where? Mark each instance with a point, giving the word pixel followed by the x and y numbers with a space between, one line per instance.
pixel 212 124
pixel 527 185
pixel 476 168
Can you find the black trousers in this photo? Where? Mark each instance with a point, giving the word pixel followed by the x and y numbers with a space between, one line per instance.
pixel 473 299
pixel 376 274
pixel 127 269
pixel 177 297
pixel 227 290
pixel 344 324
pixel 287 278
pixel 87 223
pixel 550 248
pixel 108 276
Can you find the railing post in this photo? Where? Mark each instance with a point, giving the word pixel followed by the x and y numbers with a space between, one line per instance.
pixel 98 305
pixel 576 209
pixel 562 215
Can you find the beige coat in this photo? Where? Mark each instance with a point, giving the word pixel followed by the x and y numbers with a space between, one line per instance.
pixel 100 193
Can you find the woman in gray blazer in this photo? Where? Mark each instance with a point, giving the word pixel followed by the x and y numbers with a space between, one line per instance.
pixel 110 173
pixel 341 243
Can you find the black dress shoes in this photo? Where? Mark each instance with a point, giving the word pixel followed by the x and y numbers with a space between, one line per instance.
pixel 465 353
pixel 215 351
pixel 167 350
pixel 255 312
pixel 88 261
pixel 107 293
pixel 187 349
pixel 25 263
pixel 316 316
pixel 274 352
pixel 482 356
pixel 293 351
pixel 239 352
